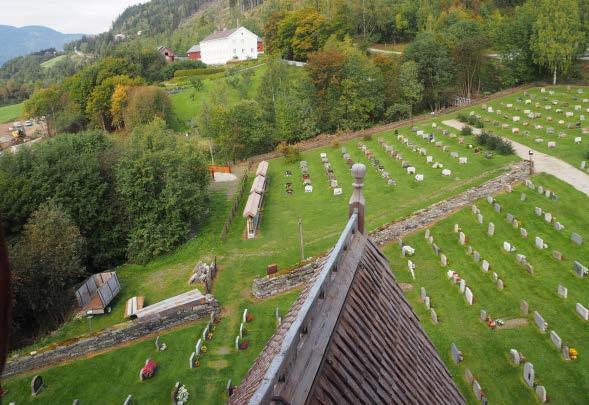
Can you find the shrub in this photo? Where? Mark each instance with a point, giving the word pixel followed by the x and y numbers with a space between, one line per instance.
pixel 197 72
pixel 462 117
pixel 466 130
pixel 494 142
pixel 291 153
pixel 367 137
pixel 335 144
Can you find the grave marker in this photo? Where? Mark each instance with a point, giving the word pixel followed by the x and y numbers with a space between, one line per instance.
pixel 485 265
pixel 581 310
pixel 529 374
pixel 523 232
pixel 462 285
pixel 478 391
pixel 427 303
pixel 477 256
pixel 565 353
pixel 456 354
pixel 468 376
pixel 538 211
pixel 468 295
pixel 37 385
pixel 198 346
pixel 500 284
pixel 576 239
pixel 462 238
pixel 480 218
pixel 540 243
pixel 129 400
pixel 580 270
pixel 443 260
pixel 514 357
pixel 434 316
pixel 548 217
pixel 157 344
pixel 555 339
pixel 491 229
pixel 483 315
pixel 427 233
pixel 509 218
pixel 562 291
pixel 522 197
pixel 541 393
pixel 523 306
pixel 191 360
pixel 558 226
pixel 497 207
pixel 540 322
pixel 422 294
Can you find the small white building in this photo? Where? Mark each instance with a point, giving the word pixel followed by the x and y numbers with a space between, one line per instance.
pixel 224 46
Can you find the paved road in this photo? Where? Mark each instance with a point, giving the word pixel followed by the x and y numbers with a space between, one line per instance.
pixel 543 162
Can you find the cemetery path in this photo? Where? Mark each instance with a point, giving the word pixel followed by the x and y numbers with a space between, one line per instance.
pixel 542 162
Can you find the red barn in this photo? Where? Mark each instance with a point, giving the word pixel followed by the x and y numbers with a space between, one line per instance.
pixel 194 52
pixel 260 45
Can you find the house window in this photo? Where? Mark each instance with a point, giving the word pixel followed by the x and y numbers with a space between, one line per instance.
pixel 234 50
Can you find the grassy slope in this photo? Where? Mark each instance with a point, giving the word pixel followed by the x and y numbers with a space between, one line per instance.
pixel 565 147
pixel 187 108
pixel 10 112
pixel 323 216
pixel 485 350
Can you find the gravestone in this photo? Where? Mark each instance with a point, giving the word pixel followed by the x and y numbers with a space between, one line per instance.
pixel 529 268
pixel 241 330
pixel 468 376
pixel 478 391
pixel 557 255
pixel 469 250
pixel 514 357
pixel 541 393
pixel 524 307
pixel 430 240
pixel 191 360
pixel 509 218
pixel 434 316
pixel 538 211
pixel 412 274
pixel 500 284
pixel 529 374
pixel 456 354
pixel 468 295
pixel 565 353
pixel 483 315
pixel 491 229
pixel 558 226
pixel 76 402
pixel 490 199
pixel 495 277
pixel 540 190
pixel 462 238
pixel 580 270
pixel 37 385
pixel 581 310
pixel 523 232
pixel 485 266
pixel 522 197
pixel 129 400
pixel 443 260
pixel 427 233
pixel 456 228
pixel 158 344
pixel 480 218
pixel 548 217
pixel 436 249
pixel 555 339
pixel 477 256
pixel 237 342
pixel 497 207
pixel 576 239
pixel 244 316
pixel 539 243
pixel 562 291
pixel 427 302
pixel 462 286
pixel 475 209
pixel 198 346
pixel 540 322
pixel 507 246
pixel 422 293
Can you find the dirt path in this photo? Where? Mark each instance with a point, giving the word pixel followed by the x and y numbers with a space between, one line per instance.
pixel 542 162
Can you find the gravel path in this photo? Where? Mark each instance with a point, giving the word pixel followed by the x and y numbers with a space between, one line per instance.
pixel 543 162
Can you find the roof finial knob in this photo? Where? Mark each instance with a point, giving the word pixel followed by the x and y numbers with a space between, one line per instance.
pixel 357 201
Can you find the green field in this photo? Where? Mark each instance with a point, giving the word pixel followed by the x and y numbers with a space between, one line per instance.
pixel 10 112
pixel 486 350
pixel 323 216
pixel 567 100
pixel 188 104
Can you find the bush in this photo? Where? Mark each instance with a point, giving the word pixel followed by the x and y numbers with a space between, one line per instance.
pixel 495 143
pixel 291 153
pixel 367 137
pixel 466 130
pixel 335 144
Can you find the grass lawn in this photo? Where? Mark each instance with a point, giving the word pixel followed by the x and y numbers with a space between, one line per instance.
pixel 10 112
pixel 486 350
pixel 188 104
pixel 323 215
pixel 566 100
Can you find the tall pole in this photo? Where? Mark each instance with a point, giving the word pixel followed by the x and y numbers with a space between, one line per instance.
pixel 211 149
pixel 301 239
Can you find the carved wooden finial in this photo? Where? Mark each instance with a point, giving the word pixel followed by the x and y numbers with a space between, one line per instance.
pixel 357 201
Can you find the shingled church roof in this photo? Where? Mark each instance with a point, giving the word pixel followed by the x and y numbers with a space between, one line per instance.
pixel 351 337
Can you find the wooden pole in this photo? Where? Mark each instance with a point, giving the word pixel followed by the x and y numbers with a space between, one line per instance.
pixel 301 239
pixel 357 201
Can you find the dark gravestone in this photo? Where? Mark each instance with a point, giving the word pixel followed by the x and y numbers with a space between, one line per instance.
pixel 129 400
pixel 577 239
pixel 229 388
pixel 37 385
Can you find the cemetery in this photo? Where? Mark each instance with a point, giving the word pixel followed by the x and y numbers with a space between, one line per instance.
pixel 528 302
pixel 487 264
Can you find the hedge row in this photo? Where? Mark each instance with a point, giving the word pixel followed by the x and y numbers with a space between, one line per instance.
pixel 198 71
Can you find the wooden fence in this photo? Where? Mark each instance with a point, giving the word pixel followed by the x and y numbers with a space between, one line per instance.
pixel 235 205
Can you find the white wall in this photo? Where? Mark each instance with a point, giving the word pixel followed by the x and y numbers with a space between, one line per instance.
pixel 240 45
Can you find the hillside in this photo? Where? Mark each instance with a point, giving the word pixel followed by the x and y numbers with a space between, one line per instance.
pixel 16 41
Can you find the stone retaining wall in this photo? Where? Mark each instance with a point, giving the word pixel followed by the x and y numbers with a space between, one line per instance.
pixel 109 338
pixel 269 286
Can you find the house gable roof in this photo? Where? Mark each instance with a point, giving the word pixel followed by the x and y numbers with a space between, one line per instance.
pixel 219 35
pixel 194 49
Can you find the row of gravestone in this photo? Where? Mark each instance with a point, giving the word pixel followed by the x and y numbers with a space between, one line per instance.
pixel 528 374
pixel 457 358
pixel 307 183
pixel 337 190
pixel 200 348
pixel 463 160
pixel 411 170
pixel 549 218
pixel 423 297
pixel 377 165
pixel 429 159
pixel 390 150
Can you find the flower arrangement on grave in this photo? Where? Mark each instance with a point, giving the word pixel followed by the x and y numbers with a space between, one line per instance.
pixel 573 353
pixel 249 317
pixel 243 345
pixel 209 335
pixel 203 349
pixel 182 395
pixel 148 369
pixel 244 331
pixel 196 362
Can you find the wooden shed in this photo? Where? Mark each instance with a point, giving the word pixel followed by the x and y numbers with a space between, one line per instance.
pixel 97 292
pixel 262 169
pixel 251 214
pixel 259 185
pixel 168 306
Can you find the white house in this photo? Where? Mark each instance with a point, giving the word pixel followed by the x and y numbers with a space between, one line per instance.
pixel 223 46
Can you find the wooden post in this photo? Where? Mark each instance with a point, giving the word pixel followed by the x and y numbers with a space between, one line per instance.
pixel 357 202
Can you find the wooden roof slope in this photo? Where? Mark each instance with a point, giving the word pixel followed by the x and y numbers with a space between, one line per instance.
pixel 350 338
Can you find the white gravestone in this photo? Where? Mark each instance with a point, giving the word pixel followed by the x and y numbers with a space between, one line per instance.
pixel 556 340
pixel 485 265
pixel 491 229
pixel 529 374
pixel 540 322
pixel 468 295
pixel 581 310
pixel 562 291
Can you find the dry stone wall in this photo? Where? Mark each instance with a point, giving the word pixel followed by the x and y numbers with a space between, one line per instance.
pixel 269 286
pixel 110 338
